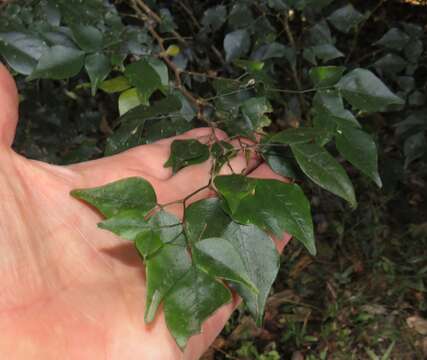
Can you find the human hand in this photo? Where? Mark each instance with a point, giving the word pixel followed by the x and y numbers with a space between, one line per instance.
pixel 69 290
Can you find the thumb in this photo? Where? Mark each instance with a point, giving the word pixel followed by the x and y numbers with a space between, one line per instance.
pixel 8 107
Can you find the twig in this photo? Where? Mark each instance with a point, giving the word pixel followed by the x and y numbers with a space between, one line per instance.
pixel 197 25
pixel 359 28
pixel 200 74
pixel 294 67
pixel 143 11
pixel 152 15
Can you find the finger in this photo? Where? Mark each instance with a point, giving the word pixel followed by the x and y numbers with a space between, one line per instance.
pixel 264 172
pixel 8 107
pixel 144 160
pixel 191 178
pixel 246 160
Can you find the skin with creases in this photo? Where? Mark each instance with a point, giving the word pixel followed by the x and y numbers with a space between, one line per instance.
pixel 69 290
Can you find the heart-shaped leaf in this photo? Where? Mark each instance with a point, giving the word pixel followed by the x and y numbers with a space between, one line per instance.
pixel 127 194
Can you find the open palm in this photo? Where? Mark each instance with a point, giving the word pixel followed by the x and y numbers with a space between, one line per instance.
pixel 69 290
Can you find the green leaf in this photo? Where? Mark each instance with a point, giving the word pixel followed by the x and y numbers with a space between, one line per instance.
pixel 324 52
pixel 128 100
pixel 415 147
pixel 58 62
pixel 414 50
pixel 126 194
pixel 359 148
pixel 98 67
pixel 148 242
pixel 219 258
pixel 130 224
pixel 261 260
pixel 222 152
pixel 185 153
pixel 270 204
pixel 364 91
pixel 329 104
pixel 394 39
pixel 236 44
pixel 324 170
pixel 115 85
pixel 214 17
pixel 279 163
pixel 254 110
pixel 164 269
pixel 21 51
pixel 326 123
pixel 205 219
pixel 144 77
pixel 390 64
pixel 346 18
pixel 192 300
pixel 161 69
pixel 297 136
pixel 272 51
pixel 250 66
pixel 240 16
pixel 323 76
pixel 133 123
pixel 88 37
pixel 173 50
pixel 320 34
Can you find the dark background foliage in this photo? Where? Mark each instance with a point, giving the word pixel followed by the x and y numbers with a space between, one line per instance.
pixel 364 294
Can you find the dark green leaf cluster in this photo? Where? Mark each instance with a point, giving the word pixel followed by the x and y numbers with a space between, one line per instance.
pixel 281 74
pixel 190 265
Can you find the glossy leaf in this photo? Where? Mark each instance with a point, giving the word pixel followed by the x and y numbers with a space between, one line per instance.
pixel 346 18
pixel 270 204
pixel 254 110
pixel 88 37
pixel 192 300
pixel 185 153
pixel 130 224
pixel 129 134
pixel 329 104
pixel 279 163
pixel 214 17
pixel 324 170
pixel 163 270
pixel 323 76
pixel 219 258
pixel 126 194
pixel 21 51
pixel 205 219
pixel 324 52
pixel 144 77
pixel 359 148
pixel 255 247
pixel 394 39
pixel 390 64
pixel 364 91
pixel 98 67
pixel 115 85
pixel 272 51
pixel 128 100
pixel 58 62
pixel 240 16
pixel 236 44
pixel 297 136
